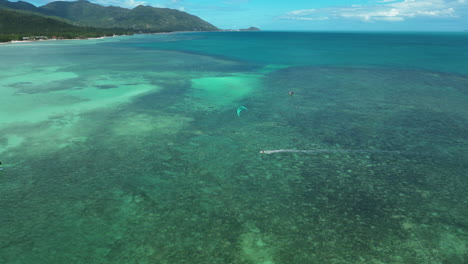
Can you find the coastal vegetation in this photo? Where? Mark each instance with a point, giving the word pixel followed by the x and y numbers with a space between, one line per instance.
pixel 84 19
pixel 19 26
pixel 144 18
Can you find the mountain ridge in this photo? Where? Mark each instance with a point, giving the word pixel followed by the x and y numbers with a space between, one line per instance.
pixel 25 25
pixel 141 18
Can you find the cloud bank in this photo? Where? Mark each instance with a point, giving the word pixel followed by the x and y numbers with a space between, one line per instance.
pixel 383 10
pixel 176 4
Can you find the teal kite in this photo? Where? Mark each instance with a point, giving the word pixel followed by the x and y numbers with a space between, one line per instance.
pixel 240 109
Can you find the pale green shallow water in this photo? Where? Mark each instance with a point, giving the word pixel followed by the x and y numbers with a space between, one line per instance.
pixel 129 149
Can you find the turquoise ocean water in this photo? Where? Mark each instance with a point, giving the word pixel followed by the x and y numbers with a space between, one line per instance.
pixel 130 150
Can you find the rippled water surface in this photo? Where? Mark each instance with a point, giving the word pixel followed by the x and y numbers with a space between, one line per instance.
pixel 131 149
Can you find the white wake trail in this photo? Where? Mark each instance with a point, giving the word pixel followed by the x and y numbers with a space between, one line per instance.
pixel 327 151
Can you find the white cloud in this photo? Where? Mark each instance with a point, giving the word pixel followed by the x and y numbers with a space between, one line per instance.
pixel 236 2
pixel 306 18
pixel 120 3
pixel 174 4
pixel 314 19
pixel 302 12
pixel 389 10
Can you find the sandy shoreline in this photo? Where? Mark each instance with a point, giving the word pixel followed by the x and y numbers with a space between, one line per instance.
pixel 42 40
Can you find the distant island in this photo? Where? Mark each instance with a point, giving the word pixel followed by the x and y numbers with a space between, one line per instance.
pixel 82 19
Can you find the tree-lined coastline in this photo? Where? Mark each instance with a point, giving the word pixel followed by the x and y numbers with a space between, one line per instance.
pixel 23 26
pixel 82 19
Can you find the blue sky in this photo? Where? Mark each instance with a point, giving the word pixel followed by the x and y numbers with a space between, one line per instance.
pixel 408 15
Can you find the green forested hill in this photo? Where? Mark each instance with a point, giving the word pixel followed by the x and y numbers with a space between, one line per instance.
pixel 20 5
pixel 164 19
pixel 84 12
pixel 141 18
pixel 15 24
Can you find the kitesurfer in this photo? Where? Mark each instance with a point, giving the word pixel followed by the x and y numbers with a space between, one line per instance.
pixel 240 109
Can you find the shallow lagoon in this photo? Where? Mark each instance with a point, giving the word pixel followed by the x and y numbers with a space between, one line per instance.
pixel 129 149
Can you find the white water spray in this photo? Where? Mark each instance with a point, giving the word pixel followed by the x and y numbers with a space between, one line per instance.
pixel 328 151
